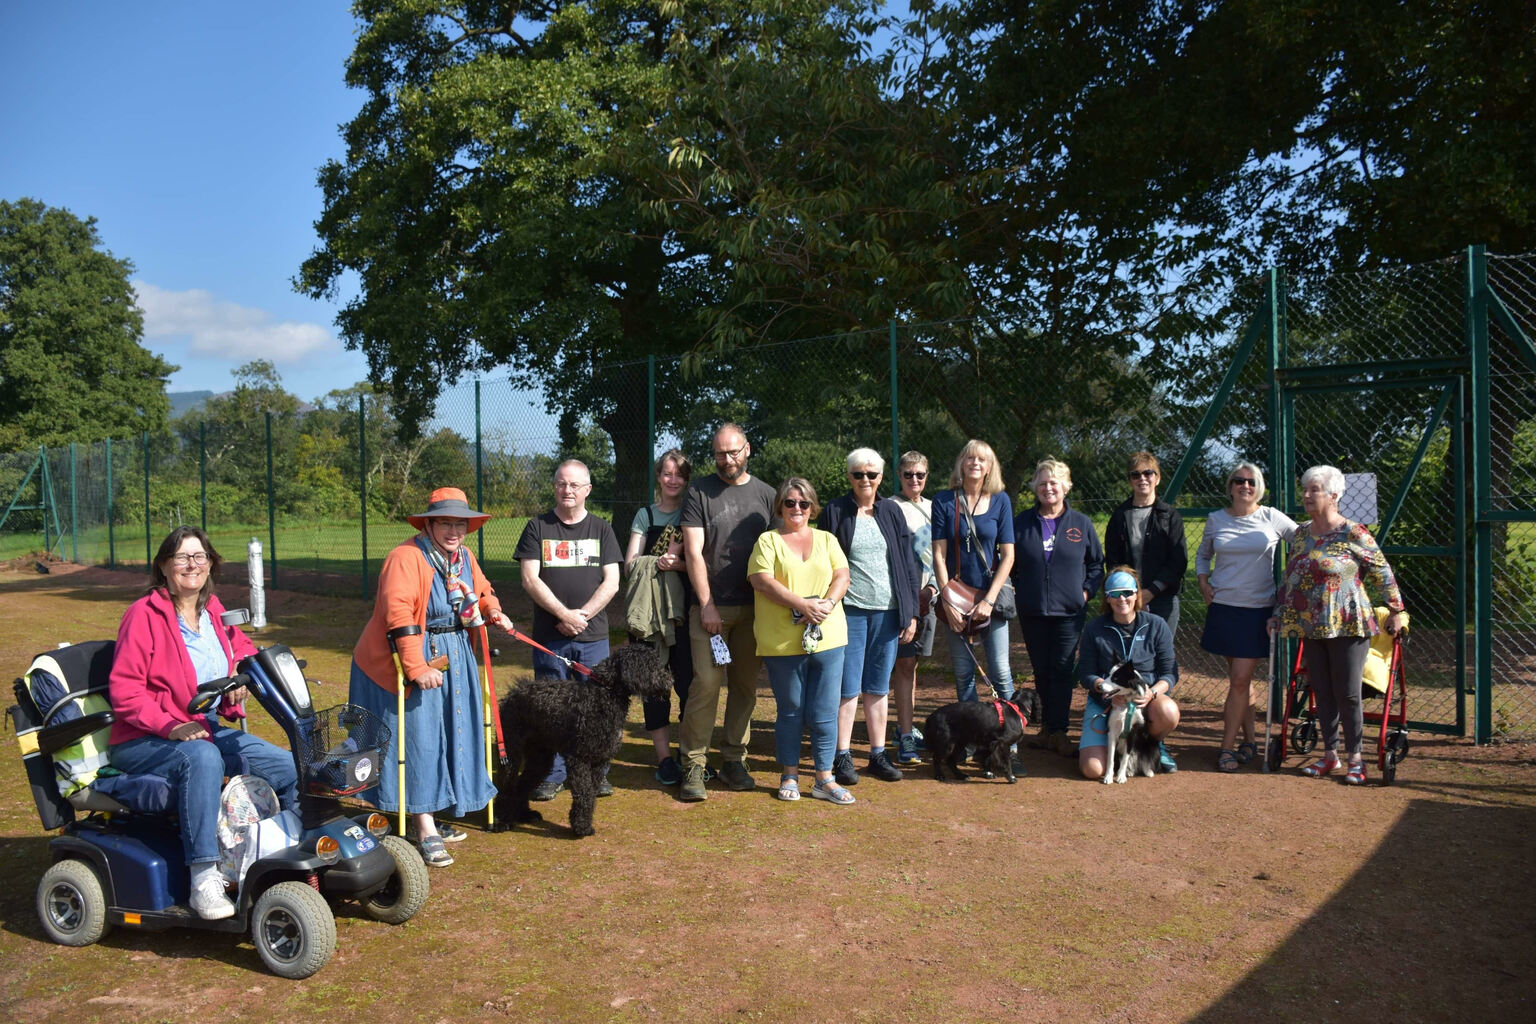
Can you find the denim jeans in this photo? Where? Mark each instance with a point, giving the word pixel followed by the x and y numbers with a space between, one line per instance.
pixel 871 652
pixel 993 642
pixel 195 770
pixel 586 652
pixel 806 688
pixel 1052 644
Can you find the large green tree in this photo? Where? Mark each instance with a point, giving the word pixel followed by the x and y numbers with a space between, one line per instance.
pixel 71 366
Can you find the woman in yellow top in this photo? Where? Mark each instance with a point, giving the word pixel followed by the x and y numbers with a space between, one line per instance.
pixel 800 575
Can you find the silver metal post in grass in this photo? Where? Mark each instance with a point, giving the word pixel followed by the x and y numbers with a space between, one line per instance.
pixel 258 588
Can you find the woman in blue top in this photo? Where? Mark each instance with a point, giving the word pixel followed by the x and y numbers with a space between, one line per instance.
pixel 1060 566
pixel 1126 632
pixel 975 545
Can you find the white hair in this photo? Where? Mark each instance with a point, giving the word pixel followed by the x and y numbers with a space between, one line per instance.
pixel 1328 477
pixel 1258 478
pixel 865 457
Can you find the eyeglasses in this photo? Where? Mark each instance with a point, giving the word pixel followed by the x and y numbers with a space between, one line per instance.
pixel 182 561
pixel 566 485
pixel 796 503
pixel 1121 595
pixel 1243 481
pixel 730 453
pixel 912 474
pixel 1145 474
pixel 864 475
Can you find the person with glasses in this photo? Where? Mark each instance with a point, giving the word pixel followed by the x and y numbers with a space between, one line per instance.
pixel 1235 567
pixel 434 582
pixel 918 510
pixel 569 561
pixel 881 607
pixel 1125 631
pixel 169 641
pixel 799 575
pixel 1323 601
pixel 1147 533
pixel 723 515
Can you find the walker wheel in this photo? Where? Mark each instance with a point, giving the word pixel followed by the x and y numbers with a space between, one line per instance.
pixel 1304 737
pixel 1276 753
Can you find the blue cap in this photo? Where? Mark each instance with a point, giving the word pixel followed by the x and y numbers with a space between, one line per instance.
pixel 1120 581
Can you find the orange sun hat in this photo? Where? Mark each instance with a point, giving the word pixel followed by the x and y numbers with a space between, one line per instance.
pixel 448 503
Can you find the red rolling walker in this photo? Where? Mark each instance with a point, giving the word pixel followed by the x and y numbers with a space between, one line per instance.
pixel 1300 731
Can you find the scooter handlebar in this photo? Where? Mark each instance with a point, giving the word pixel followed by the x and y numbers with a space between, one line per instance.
pixel 209 693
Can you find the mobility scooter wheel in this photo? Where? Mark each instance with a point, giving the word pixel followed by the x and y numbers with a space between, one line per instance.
pixel 407 888
pixel 71 904
pixel 293 930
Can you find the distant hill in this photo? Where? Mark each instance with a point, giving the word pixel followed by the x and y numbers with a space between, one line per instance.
pixel 185 401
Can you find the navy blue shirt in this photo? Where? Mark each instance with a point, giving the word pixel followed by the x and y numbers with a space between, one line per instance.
pixel 1055 586
pixel 972 562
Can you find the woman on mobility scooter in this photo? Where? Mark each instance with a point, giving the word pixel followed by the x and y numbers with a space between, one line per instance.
pixel 170 640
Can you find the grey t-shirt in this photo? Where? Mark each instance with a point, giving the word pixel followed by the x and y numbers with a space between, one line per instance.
pixel 1136 533
pixel 733 516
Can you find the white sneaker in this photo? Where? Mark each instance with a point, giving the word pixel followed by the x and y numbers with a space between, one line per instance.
pixel 209 900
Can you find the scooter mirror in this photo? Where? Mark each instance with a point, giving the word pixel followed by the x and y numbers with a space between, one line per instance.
pixel 236 617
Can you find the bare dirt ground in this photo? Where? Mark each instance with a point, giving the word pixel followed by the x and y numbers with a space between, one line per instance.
pixel 1192 897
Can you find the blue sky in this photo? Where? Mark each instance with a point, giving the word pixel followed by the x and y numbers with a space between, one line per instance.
pixel 192 132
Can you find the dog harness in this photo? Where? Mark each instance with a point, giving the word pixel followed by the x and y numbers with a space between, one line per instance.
pixel 998 704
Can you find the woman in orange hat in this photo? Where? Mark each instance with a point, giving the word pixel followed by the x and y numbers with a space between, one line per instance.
pixel 431 581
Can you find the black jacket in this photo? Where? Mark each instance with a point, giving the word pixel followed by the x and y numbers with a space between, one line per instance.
pixel 1164 554
pixel 839 517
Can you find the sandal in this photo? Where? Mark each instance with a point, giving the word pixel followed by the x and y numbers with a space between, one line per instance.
pixel 434 853
pixel 1326 766
pixel 789 787
pixel 1246 751
pixel 1356 774
pixel 1226 761
pixel 831 792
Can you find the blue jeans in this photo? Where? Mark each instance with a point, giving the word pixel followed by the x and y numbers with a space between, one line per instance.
pixel 1052 644
pixel 871 652
pixel 993 641
pixel 806 688
pixel 588 653
pixel 195 770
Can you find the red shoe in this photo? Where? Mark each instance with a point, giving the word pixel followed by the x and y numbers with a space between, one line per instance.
pixel 1327 766
pixel 1356 774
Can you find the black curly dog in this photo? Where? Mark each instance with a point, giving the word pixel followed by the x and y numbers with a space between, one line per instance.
pixel 990 727
pixel 581 719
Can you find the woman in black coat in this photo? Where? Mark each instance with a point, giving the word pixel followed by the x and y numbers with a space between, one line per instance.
pixel 1147 534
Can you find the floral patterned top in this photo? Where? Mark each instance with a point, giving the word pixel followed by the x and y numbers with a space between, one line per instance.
pixel 1323 594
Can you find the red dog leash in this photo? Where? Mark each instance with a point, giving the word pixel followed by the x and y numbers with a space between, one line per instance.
pixel 531 642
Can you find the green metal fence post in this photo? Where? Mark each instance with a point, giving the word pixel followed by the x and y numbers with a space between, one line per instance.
pixel 362 483
pixel 479 475
pixel 271 508
pixel 650 406
pixel 147 556
pixel 74 510
pixel 202 470
pixel 42 495
pixel 1459 461
pixel 895 418
pixel 111 513
pixel 1482 490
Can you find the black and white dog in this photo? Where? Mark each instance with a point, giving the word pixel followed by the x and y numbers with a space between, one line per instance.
pixel 1130 744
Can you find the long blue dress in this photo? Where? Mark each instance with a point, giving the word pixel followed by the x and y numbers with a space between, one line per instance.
pixel 444 728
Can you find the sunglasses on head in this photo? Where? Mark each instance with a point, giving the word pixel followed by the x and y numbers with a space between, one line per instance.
pixel 796 503
pixel 913 474
pixel 1120 595
pixel 864 475
pixel 1244 481
pixel 1147 473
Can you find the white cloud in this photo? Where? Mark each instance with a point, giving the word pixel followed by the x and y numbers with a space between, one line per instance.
pixel 219 328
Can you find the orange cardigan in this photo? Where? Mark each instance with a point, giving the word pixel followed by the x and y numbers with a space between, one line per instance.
pixel 405 582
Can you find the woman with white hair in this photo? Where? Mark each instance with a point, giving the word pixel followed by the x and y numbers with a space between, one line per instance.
pixel 1323 601
pixel 1235 566
pixel 881 607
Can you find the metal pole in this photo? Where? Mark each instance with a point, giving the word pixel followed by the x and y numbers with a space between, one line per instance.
pixel 148 558
pixel 895 418
pixel 1279 470
pixel 111 513
pixel 44 492
pixel 1482 490
pixel 74 510
pixel 362 482
pixel 650 406
pixel 479 479
pixel 271 506
pixel 202 470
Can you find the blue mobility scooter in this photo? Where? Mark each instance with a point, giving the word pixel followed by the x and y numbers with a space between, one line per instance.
pixel 119 860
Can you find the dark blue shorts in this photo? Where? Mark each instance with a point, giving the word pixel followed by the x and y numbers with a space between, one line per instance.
pixel 1236 632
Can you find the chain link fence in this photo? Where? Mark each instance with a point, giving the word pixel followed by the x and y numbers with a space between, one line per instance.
pixel 1370 380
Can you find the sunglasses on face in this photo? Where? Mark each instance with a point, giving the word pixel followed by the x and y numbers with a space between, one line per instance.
pixel 799 503
pixel 1121 595
pixel 1145 474
pixel 864 475
pixel 1243 481
pixel 912 474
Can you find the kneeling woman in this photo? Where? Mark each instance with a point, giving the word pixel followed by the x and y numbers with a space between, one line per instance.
pixel 171 640
pixel 1125 632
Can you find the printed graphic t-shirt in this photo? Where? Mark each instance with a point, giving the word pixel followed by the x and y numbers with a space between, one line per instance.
pixel 571 560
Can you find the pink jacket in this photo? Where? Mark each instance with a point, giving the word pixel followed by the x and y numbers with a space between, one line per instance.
pixel 152 676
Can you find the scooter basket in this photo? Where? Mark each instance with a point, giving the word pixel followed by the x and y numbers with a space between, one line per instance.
pixel 341 750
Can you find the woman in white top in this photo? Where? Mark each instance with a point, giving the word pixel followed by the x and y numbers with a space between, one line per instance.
pixel 1235 565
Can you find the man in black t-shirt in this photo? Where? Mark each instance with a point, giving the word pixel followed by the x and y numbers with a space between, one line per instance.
pixel 570 568
pixel 723 515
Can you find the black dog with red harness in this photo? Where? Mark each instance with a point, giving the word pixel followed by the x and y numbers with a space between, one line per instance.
pixel 991 728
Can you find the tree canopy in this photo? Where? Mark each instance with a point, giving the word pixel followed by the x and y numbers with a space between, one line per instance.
pixel 71 365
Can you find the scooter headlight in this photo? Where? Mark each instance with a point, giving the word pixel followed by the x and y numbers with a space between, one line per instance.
pixel 328 849
pixel 378 825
